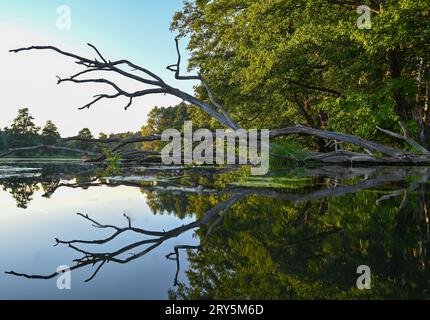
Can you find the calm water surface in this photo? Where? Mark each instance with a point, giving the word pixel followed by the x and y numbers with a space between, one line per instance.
pixel 298 233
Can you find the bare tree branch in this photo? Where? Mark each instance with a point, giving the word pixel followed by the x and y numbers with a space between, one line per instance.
pixel 406 138
pixel 176 68
pixel 159 85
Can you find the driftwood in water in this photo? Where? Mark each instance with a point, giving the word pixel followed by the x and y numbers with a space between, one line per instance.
pixel 337 136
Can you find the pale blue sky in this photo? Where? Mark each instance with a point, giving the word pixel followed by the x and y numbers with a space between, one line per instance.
pixel 133 29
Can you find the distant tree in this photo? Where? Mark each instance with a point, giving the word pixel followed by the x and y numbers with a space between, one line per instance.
pixel 50 133
pixel 50 129
pixel 23 124
pixel 85 133
pixel 23 132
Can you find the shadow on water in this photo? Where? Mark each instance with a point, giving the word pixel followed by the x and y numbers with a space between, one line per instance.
pixel 293 234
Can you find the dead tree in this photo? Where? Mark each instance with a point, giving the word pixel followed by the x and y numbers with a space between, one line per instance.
pixel 389 154
pixel 155 85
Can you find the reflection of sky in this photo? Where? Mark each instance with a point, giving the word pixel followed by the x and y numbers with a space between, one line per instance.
pixel 27 238
pixel 131 29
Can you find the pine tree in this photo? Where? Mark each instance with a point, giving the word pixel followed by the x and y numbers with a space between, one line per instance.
pixel 23 123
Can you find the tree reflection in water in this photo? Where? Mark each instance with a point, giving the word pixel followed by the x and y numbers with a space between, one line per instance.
pixel 265 243
pixel 21 190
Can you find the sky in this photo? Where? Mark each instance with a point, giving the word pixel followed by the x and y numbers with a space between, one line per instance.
pixel 137 30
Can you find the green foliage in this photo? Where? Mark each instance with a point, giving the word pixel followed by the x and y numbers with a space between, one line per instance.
pixel 50 133
pixel 289 148
pixel 274 63
pixel 23 124
pixel 113 163
pixel 162 118
pixel 267 248
pixel 274 182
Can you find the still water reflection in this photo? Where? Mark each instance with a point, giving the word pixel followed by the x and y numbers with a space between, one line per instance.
pixel 193 233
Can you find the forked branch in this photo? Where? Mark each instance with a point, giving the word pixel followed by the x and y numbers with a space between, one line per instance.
pixel 406 138
pixel 144 77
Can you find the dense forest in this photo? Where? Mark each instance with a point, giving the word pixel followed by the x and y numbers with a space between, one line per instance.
pixel 276 63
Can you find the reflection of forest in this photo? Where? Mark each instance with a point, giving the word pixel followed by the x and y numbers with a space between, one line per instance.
pixel 269 248
pixel 302 242
pixel 23 188
pixel 272 249
pixel 21 191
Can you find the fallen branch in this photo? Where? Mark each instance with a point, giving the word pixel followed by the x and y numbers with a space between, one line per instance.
pixel 406 138
pixel 395 155
pixel 146 77
pixel 372 146
pixel 341 156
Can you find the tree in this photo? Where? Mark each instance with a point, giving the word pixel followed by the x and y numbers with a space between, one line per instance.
pixel 85 133
pixel 50 129
pixel 3 140
pixel 23 124
pixel 275 63
pixel 50 133
pixel 23 132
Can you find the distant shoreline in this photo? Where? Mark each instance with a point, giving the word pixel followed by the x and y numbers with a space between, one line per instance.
pixel 39 159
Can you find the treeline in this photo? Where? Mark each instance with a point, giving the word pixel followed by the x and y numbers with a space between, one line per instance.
pixel 24 133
